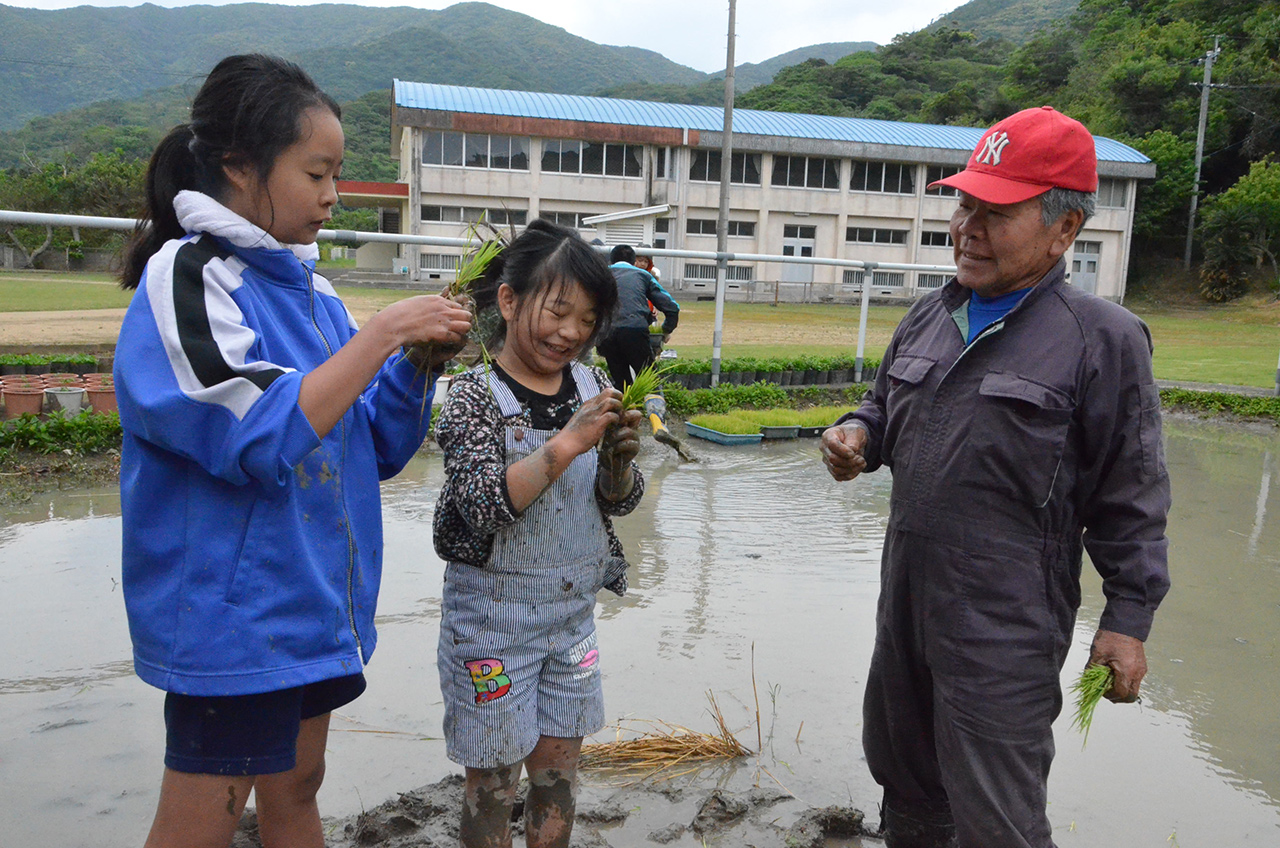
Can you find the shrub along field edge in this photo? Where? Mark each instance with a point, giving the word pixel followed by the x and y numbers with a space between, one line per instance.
pixel 61 451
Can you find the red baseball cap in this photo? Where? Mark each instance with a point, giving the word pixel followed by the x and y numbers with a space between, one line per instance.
pixel 1027 154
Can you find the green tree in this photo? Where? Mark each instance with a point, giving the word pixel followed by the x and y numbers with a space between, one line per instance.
pixel 1241 227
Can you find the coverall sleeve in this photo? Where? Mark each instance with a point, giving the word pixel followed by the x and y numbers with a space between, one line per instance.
pixel 1123 485
pixel 873 413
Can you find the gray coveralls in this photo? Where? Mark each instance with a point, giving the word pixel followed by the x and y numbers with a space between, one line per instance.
pixel 1008 456
pixel 517 655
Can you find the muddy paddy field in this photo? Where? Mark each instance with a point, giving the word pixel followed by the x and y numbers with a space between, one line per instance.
pixel 754 578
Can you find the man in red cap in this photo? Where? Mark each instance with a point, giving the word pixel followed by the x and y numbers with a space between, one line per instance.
pixel 1021 421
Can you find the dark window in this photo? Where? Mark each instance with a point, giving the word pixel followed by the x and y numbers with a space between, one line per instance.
pixel 477 151
pixel 803 171
pixel 890 177
pixel 551 154
pixel 875 235
pixel 662 225
pixel 453 149
pixel 938 172
pixel 520 154
pixel 935 238
pixel 746 169
pixel 613 156
pixel 631 165
pixel 592 158
pixel 500 152
pixel 704 166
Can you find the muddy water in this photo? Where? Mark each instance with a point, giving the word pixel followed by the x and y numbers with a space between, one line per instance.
pixel 755 579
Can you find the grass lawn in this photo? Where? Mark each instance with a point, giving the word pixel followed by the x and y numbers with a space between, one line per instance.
pixel 1235 344
pixel 43 292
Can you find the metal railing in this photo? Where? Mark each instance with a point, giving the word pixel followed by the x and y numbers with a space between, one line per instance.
pixel 357 238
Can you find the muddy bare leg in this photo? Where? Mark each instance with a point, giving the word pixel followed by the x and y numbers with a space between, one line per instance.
pixel 486 807
pixel 553 792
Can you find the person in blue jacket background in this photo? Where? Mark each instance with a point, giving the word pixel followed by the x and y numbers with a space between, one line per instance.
pixel 257 425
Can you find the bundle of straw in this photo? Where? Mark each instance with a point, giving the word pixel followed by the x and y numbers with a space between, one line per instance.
pixel 664 747
pixel 1095 681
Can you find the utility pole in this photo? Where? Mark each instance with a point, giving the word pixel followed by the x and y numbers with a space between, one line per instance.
pixel 1204 117
pixel 722 221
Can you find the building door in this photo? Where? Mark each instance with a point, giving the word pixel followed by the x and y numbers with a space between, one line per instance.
pixel 798 240
pixel 1084 265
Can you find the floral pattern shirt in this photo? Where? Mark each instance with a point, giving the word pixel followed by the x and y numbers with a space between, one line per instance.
pixel 474 502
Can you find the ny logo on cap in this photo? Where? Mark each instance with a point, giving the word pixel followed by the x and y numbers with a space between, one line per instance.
pixel 992 147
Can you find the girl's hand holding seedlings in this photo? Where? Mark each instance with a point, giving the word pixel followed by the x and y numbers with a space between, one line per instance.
pixel 432 329
pixel 529 477
pixel 619 446
pixel 329 390
pixel 587 426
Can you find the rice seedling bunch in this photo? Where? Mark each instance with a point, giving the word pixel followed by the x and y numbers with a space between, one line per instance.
pixel 726 423
pixel 822 416
pixel 663 747
pixel 771 417
pixel 1095 681
pixel 646 383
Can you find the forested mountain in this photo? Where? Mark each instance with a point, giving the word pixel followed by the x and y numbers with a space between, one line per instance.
pixel 51 61
pixel 748 75
pixel 1015 20
pixel 1127 68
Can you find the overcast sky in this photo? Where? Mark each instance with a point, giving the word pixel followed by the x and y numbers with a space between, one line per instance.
pixel 691 32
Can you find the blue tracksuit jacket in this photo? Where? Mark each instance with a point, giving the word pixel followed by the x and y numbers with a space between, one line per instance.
pixel 252 548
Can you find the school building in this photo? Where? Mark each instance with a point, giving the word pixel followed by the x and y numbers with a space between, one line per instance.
pixel 637 172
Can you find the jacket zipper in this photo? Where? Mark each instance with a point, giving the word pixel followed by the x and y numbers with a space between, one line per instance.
pixel 346 517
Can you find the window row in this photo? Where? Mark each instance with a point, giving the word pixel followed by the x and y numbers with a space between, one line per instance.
pixel 874 235
pixel 707 271
pixel 573 220
pixel 565 156
pixel 707 227
pixel 475 150
pixel 475 214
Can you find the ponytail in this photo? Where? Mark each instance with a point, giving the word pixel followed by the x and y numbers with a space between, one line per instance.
pixel 172 169
pixel 248 111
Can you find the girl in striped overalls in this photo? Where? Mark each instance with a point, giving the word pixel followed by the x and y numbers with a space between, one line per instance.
pixel 538 454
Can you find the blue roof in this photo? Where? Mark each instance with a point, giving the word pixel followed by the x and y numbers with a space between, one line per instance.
pixel 644 113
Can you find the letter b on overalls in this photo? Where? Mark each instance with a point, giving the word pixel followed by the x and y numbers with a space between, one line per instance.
pixel 487 677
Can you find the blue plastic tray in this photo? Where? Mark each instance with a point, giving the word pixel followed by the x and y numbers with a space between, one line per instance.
pixel 722 438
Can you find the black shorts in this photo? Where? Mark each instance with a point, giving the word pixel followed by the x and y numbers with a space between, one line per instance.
pixel 247 734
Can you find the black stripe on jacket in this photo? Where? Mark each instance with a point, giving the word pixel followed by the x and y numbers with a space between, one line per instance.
pixel 192 318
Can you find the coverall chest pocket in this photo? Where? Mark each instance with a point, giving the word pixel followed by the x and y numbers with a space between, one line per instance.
pixel 1018 437
pixel 906 399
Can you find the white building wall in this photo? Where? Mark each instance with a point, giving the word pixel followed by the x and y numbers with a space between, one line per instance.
pixel 829 211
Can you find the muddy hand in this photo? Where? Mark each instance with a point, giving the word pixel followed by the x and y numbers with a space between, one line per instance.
pixel 436 327
pixel 1127 657
pixel 587 426
pixel 842 451
pixel 621 441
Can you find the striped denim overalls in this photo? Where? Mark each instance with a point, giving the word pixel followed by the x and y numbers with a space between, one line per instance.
pixel 517 655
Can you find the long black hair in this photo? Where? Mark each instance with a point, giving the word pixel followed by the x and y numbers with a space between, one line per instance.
pixel 247 112
pixel 544 255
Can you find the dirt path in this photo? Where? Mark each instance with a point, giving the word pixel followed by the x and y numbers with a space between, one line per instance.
pixel 81 328
pixel 22 331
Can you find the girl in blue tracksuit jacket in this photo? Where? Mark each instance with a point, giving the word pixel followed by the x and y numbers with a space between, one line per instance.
pixel 257 425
